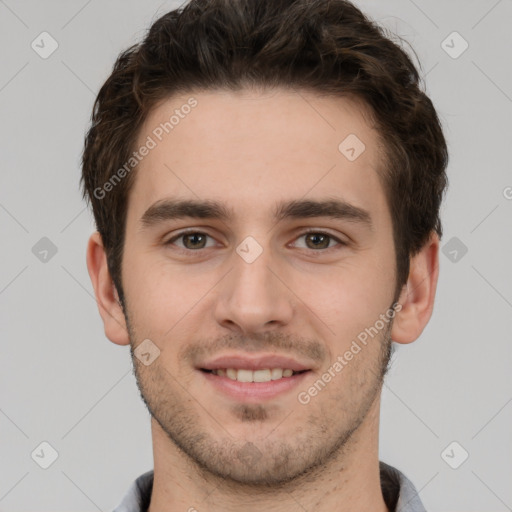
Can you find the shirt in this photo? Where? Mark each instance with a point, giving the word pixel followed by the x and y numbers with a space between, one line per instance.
pixel 399 493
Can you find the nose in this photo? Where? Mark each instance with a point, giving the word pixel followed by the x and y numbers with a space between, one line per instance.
pixel 254 297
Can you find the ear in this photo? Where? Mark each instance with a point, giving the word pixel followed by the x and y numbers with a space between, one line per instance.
pixel 418 294
pixel 106 294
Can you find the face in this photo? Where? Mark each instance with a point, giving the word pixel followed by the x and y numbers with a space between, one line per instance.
pixel 255 245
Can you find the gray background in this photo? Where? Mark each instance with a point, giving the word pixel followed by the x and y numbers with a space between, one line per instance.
pixel 63 382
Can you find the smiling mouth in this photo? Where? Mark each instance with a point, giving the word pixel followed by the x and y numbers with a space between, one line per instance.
pixel 246 375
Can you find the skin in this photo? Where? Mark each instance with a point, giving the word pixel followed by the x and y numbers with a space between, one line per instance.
pixel 195 298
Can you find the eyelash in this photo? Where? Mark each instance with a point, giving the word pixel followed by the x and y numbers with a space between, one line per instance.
pixel 304 233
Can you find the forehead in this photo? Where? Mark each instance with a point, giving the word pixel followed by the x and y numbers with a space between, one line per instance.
pixel 252 149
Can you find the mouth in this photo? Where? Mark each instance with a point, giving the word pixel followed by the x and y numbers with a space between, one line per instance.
pixel 247 375
pixel 253 378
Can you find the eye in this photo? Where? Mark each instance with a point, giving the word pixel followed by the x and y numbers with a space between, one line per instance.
pixel 319 240
pixel 196 240
pixel 192 240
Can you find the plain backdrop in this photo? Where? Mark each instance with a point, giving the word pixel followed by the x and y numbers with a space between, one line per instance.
pixel 63 383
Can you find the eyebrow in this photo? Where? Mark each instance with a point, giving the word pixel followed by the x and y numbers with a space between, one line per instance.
pixel 169 209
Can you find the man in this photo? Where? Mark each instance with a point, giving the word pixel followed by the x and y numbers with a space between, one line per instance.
pixel 266 180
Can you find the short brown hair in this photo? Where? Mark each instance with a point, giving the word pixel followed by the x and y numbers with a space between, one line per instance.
pixel 325 46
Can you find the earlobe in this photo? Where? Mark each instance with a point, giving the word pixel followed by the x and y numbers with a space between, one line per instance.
pixel 418 294
pixel 106 294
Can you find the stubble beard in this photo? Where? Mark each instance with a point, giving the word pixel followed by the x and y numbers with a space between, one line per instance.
pixel 265 463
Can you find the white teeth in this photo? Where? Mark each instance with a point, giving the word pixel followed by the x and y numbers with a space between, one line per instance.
pixel 260 375
pixel 265 375
pixel 245 376
pixel 231 373
pixel 277 373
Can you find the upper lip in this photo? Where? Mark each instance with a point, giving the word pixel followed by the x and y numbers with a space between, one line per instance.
pixel 254 362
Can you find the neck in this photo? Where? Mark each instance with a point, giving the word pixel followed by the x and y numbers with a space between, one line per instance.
pixel 350 481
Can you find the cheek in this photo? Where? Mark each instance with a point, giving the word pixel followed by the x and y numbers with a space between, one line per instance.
pixel 162 296
pixel 349 297
pixel 148 294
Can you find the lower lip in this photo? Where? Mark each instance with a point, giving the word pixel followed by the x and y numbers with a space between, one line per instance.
pixel 254 391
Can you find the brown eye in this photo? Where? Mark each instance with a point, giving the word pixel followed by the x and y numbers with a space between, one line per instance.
pixel 316 240
pixel 192 240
